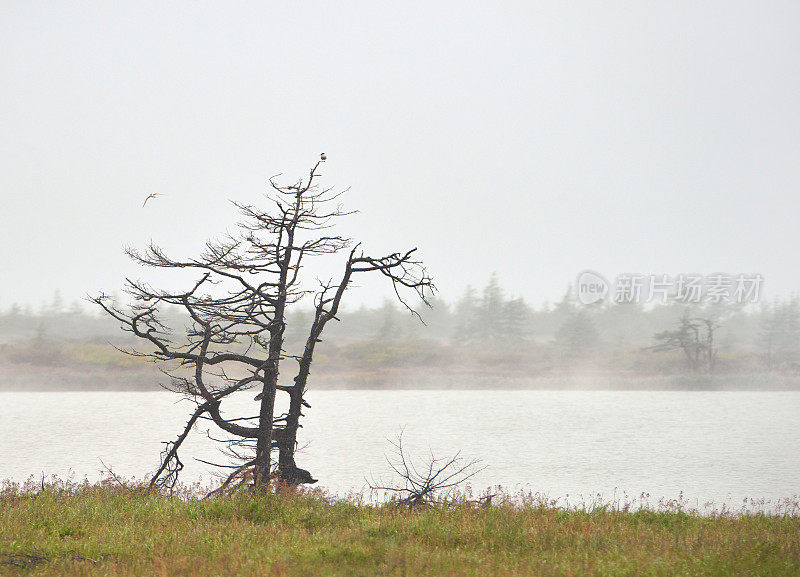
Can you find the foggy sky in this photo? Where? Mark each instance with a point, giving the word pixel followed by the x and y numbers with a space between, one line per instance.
pixel 531 139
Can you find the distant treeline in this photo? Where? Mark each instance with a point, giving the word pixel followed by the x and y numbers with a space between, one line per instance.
pixel 485 329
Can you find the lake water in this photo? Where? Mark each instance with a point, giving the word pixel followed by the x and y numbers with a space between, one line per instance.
pixel 710 446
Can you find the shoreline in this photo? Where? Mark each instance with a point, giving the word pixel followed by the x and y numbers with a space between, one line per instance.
pixel 56 379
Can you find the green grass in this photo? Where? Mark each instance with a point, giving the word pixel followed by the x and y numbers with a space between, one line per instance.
pixel 106 530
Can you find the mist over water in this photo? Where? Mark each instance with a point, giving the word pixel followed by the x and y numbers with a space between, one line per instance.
pixel 710 446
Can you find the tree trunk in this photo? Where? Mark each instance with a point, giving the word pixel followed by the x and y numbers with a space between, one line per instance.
pixel 261 475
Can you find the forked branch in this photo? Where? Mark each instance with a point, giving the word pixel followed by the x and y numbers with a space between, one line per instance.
pixel 427 482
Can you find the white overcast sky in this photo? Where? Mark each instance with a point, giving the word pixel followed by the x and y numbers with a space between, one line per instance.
pixel 534 139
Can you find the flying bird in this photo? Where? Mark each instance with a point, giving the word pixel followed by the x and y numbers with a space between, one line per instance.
pixel 322 157
pixel 154 195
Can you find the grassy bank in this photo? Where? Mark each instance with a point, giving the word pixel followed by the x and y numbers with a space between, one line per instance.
pixel 94 530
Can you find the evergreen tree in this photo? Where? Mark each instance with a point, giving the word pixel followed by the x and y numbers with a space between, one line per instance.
pixel 780 333
pixel 56 306
pixel 516 321
pixel 577 336
pixel 491 315
pixel 466 313
pixel 439 320
pixel 390 329
pixel 568 302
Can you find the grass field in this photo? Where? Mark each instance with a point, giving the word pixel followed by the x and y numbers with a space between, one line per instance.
pixel 113 530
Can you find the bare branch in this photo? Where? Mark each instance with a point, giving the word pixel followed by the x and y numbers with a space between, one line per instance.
pixel 235 312
pixel 428 483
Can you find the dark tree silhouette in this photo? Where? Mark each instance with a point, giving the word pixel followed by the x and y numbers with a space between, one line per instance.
pixel 695 336
pixel 237 311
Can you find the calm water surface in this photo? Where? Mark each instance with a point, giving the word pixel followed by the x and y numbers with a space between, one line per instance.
pixel 712 446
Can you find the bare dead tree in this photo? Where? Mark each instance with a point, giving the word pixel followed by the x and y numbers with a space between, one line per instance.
pixel 695 336
pixel 237 309
pixel 428 482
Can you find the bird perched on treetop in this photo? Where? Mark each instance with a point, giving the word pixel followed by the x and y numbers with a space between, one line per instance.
pixel 322 157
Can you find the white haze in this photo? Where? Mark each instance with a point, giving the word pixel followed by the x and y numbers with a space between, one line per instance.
pixel 531 139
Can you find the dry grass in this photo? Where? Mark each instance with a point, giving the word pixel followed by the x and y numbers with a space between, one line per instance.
pixel 83 529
